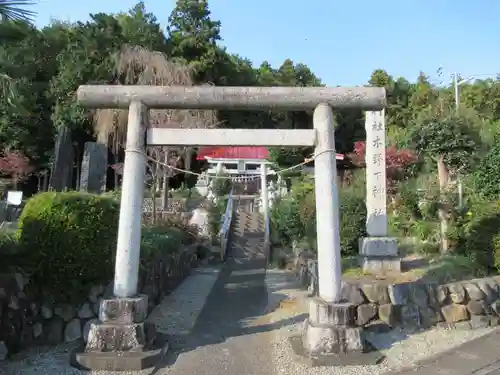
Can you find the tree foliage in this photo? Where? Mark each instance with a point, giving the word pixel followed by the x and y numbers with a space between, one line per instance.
pixel 452 137
pixel 14 10
pixel 16 166
pixel 396 161
pixel 43 67
pixel 486 177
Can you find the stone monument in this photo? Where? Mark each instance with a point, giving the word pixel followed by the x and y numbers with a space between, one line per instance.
pixel 94 168
pixel 378 252
pixel 62 167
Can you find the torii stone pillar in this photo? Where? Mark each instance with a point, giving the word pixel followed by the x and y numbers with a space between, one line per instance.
pixel 330 329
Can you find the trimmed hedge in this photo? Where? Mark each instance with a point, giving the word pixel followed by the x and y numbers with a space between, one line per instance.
pixel 68 241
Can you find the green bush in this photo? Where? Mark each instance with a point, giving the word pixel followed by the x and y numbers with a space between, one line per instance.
pixel 295 218
pixel 352 221
pixel 478 234
pixel 115 194
pixel 68 240
pixel 287 214
pixel 285 221
pixel 8 243
pixel 485 178
pixel 9 250
pixel 215 213
pixel 160 239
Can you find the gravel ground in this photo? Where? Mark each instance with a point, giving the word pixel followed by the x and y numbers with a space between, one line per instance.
pixel 401 349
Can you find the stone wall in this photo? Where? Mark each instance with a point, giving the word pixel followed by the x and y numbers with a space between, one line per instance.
pixel 39 320
pixel 466 305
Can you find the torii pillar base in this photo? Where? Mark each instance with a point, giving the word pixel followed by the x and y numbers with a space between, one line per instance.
pixel 121 340
pixel 331 337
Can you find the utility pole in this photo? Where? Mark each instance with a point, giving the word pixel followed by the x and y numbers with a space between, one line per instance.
pixel 456 85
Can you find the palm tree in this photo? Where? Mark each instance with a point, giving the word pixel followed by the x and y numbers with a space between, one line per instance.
pixel 13 10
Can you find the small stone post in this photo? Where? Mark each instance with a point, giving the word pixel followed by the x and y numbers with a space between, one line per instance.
pixel 94 168
pixel 379 253
pixel 264 193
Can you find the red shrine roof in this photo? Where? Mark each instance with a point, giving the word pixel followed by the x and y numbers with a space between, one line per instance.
pixel 243 152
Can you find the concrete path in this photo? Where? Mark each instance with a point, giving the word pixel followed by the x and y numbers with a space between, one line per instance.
pixel 478 357
pixel 229 335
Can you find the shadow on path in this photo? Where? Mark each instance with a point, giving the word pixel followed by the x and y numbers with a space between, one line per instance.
pixel 230 332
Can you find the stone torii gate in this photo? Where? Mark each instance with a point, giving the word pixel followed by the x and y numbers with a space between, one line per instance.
pixel 122 317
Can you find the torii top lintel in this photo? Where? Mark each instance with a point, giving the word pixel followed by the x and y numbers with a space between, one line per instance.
pixel 230 97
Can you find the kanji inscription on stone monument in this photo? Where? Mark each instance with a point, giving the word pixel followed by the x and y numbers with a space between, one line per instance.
pixel 375 174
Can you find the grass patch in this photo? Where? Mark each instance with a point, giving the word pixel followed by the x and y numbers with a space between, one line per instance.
pixel 438 268
pixel 432 268
pixel 452 268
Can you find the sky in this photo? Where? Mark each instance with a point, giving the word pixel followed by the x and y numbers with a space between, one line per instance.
pixel 341 41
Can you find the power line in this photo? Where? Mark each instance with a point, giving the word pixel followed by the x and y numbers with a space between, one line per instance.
pixel 484 74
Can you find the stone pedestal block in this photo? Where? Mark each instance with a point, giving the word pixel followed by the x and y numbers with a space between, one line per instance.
pixel 325 339
pixel 379 255
pixel 331 328
pixel 378 246
pixel 121 340
pixel 124 310
pixel 330 337
pixel 107 337
pixel 380 265
pixel 324 313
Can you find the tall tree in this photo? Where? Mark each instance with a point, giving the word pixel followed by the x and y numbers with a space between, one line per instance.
pixel 141 28
pixel 451 142
pixel 193 37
